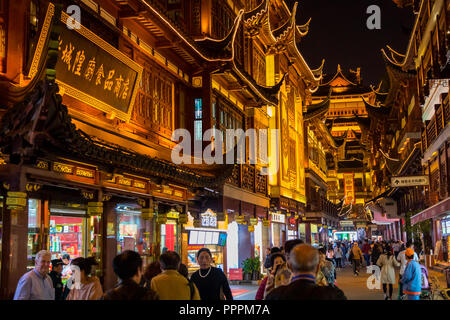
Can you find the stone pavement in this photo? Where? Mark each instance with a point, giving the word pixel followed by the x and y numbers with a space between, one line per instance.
pixel 355 288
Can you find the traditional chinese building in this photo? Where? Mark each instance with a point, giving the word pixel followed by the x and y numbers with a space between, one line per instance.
pixel 415 145
pixel 344 166
pixel 89 108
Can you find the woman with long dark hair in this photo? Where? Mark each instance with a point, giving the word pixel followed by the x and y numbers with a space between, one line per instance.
pixel 211 282
pixel 387 262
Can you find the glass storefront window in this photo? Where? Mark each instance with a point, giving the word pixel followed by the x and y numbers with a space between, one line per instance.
pixel 276 234
pixel 130 235
pixel 232 246
pixel 314 235
pixel 259 243
pixel 169 236
pixel 67 235
pixel 302 232
pixel 34 206
pixel 292 234
pixel 445 226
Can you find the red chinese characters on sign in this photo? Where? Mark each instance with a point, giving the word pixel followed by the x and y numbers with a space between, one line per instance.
pixel 349 188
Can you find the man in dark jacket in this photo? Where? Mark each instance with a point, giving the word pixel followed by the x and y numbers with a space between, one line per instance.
pixel 128 267
pixel 55 275
pixel 304 261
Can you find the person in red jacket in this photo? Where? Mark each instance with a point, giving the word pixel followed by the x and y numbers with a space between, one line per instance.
pixel 366 252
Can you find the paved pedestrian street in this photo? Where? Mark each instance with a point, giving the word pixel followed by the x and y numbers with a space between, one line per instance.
pixel 354 287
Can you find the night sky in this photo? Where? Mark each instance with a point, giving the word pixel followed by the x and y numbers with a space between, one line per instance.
pixel 338 33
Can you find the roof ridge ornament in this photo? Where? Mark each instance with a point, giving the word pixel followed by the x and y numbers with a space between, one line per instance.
pixel 319 71
pixel 210 44
pixel 304 28
pixel 377 90
pixel 254 19
pixel 268 94
pixel 317 110
pixel 283 35
pixel 392 59
pixel 338 71
pixel 282 31
pixel 380 111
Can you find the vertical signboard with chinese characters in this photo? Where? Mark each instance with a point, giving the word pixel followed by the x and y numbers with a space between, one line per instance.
pixel 90 69
pixel 349 188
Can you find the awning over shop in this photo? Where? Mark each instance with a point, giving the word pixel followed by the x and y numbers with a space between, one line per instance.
pixel 378 218
pixel 438 209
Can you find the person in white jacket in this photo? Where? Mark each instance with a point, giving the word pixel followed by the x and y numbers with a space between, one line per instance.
pixel 387 262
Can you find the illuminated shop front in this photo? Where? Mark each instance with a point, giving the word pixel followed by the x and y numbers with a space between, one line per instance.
pixel 315 235
pixel 302 232
pixel 210 234
pixel 170 232
pixel 278 229
pixel 292 229
pixel 345 235
pixel 129 228
pixel 68 232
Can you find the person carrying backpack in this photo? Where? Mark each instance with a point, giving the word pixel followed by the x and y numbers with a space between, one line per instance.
pixel 412 277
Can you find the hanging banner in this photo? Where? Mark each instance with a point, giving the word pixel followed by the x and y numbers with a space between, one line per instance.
pixel 349 188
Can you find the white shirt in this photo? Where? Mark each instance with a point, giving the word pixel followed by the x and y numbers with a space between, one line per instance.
pixel 403 261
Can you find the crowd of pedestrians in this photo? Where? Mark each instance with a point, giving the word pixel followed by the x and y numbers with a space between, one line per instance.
pixel 295 271
pixel 167 279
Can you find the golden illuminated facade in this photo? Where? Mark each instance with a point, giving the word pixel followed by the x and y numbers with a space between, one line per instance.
pixel 99 151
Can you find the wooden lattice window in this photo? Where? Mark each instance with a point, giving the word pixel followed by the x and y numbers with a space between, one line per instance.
pixel 154 101
pixel 259 66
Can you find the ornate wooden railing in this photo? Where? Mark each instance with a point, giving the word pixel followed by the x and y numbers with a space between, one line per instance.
pixel 437 124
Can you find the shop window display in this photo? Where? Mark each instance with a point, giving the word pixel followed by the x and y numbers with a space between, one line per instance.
pixel 168 236
pixel 66 236
pixel 314 235
pixel 211 239
pixel 130 235
pixel 33 231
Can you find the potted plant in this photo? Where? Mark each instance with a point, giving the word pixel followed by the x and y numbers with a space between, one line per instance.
pixel 256 266
pixel 247 269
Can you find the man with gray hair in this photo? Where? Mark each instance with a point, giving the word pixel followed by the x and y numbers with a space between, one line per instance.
pixel 37 284
pixel 304 261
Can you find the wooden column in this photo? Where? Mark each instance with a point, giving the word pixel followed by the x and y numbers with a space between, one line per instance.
pixel 15 234
pixel 308 232
pixel 16 42
pixel 109 247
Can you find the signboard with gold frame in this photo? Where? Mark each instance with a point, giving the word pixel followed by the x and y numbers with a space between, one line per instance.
pixel 91 70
